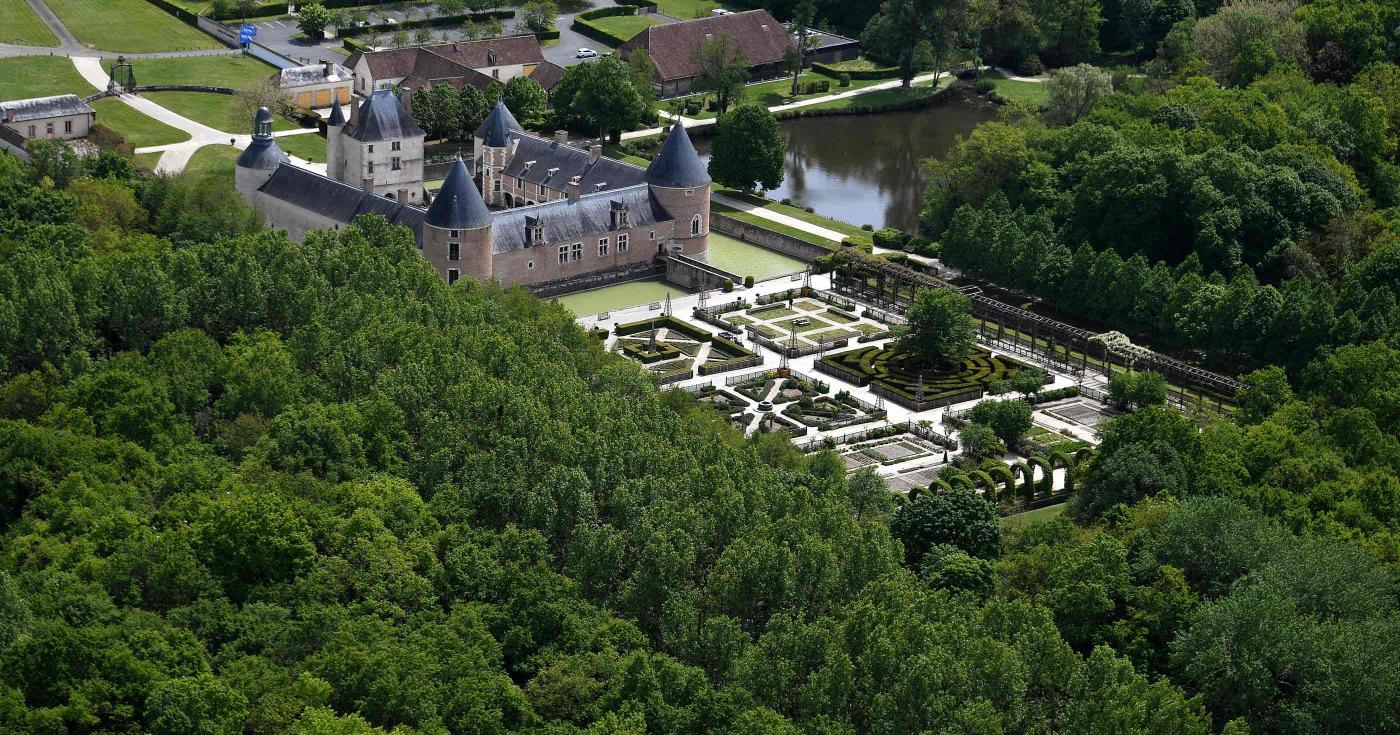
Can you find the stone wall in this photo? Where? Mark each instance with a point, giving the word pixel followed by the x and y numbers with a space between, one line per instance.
pixel 755 235
pixel 695 275
pixel 598 279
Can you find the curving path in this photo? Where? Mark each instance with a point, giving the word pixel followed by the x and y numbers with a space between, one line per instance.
pixel 174 156
pixel 68 45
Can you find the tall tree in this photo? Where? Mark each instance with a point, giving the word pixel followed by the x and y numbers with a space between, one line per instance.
pixel 803 15
pixel 748 149
pixel 722 68
pixel 312 20
pixel 600 96
pixel 1071 93
pixel 939 330
pixel 527 100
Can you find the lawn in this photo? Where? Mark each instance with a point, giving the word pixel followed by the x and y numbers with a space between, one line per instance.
pixel 686 9
pixel 215 71
pixel 131 26
pixel 139 130
pixel 218 111
pixel 845 228
pixel 624 27
pixel 23 77
pixel 213 161
pixel 19 24
pixel 1032 93
pixel 309 146
pixel 1019 521
pixel 146 161
pixel 768 224
pixel 877 99
pixel 772 93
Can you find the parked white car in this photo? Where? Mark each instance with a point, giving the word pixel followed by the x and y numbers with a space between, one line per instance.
pixel 720 11
pixel 585 53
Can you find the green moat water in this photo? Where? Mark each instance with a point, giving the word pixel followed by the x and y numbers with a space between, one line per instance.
pixel 725 252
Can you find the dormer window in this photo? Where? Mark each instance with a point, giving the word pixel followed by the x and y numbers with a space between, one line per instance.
pixel 534 232
pixel 618 218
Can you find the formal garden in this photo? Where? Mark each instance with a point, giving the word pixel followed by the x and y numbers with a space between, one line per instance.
pixel 896 372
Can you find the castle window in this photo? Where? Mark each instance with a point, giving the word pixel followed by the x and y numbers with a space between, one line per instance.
pixel 394 146
pixel 622 243
pixel 67 126
pixel 530 265
pixel 495 185
pixel 454 234
pixel 563 254
pixel 690 192
pixel 576 252
pixel 394 163
pixel 602 246
pixel 371 166
pixel 452 276
pixel 695 225
pixel 652 236
pixel 454 251
pixel 371 147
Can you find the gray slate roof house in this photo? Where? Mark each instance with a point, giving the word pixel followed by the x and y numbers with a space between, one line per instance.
pixel 677 166
pixel 554 164
pixel 496 128
pixel 63 117
pixel 568 219
pixel 381 117
pixel 458 205
pixel 334 199
pixel 477 63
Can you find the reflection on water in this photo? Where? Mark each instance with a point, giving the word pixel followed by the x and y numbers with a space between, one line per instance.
pixel 867 169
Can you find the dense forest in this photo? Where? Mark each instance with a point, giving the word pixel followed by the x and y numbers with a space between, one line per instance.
pixel 1240 205
pixel 254 486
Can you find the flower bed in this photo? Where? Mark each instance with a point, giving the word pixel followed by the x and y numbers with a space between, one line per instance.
pixel 663 322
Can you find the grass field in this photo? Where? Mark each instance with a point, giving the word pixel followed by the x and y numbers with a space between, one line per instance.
pixel 138 129
pixel 218 111
pixel 768 224
pixel 216 71
pixel 845 228
pixel 878 98
pixel 1029 92
pixel 1021 520
pixel 213 160
pixel 624 27
pixel 131 26
pixel 40 76
pixel 19 24
pixel 146 161
pixel 686 9
pixel 309 146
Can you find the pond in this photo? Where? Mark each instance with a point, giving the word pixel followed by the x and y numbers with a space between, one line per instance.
pixel 727 253
pixel 867 169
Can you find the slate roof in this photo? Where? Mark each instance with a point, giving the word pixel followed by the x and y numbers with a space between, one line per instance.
pixel 402 63
pixel 571 219
pixel 761 37
pixel 677 165
pixel 382 117
pixel 570 161
pixel 262 154
pixel 334 199
pixel 337 114
pixel 41 108
pixel 496 128
pixel 458 205
pixel 313 74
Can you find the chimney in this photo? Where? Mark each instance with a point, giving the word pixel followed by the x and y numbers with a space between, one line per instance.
pixel 406 97
pixel 573 189
pixel 595 152
pixel 561 136
pixel 330 69
pixel 455 47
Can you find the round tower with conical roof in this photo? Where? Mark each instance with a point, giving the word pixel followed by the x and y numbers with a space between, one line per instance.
pixel 680 183
pixel 491 150
pixel 257 162
pixel 335 157
pixel 457 228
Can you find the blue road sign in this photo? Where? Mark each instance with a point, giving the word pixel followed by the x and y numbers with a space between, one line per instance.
pixel 249 30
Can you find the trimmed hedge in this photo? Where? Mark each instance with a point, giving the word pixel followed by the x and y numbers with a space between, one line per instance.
pixel 548 35
pixel 261 10
pixel 582 24
pixel 183 14
pixel 669 322
pixel 885 72
pixel 353 45
pixel 648 5
pixel 446 20
pixel 640 353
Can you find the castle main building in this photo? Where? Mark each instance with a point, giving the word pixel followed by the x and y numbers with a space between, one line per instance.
pixel 551 211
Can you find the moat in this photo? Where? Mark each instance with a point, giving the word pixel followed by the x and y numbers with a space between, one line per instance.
pixel 868 169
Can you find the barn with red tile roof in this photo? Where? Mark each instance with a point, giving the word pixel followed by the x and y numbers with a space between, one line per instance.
pixel 763 40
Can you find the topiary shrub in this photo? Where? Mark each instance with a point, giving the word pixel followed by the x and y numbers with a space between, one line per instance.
pixel 728 286
pixel 748 281
pixel 1030 66
pixel 890 238
pixel 867 227
pixel 844 79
